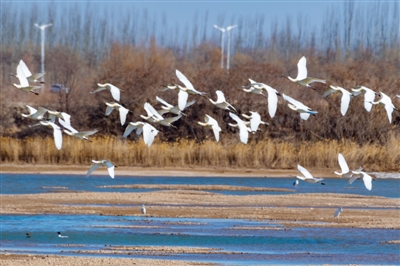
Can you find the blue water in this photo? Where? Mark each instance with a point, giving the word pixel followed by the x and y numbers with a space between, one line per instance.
pixel 279 245
pixel 39 183
pixel 287 245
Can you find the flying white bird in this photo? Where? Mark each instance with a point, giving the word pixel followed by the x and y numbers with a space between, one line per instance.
pixel 24 84
pixel 168 121
pixel 61 236
pixel 254 88
pixel 115 92
pixel 35 114
pixel 221 102
pixel 302 78
pixel 74 133
pixel 307 176
pixel 32 78
pixel 345 100
pixel 345 171
pixel 152 114
pixel 387 102
pixel 398 96
pixel 169 108
pixel 369 96
pixel 255 121
pixel 299 107
pixel 149 132
pixel 211 122
pixel 366 178
pixel 97 164
pixel 188 85
pixel 61 115
pixel 272 96
pixel 122 111
pixel 338 212
pixel 143 209
pixel 243 129
pixel 57 134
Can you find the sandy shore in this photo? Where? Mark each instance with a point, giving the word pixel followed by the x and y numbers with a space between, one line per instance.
pixel 191 201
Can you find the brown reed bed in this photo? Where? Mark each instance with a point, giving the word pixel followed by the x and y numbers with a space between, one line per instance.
pixel 270 154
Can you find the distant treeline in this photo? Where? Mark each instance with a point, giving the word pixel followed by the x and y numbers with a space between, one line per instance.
pixel 357 47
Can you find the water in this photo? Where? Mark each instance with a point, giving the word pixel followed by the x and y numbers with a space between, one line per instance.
pixel 38 183
pixel 236 241
pixel 272 244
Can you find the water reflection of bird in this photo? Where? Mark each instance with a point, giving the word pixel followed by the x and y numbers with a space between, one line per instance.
pixel 143 209
pixel 61 236
pixel 28 235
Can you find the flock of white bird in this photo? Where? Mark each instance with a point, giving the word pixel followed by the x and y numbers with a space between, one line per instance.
pixel 245 126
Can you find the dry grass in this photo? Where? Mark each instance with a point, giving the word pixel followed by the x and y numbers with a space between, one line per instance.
pixel 271 154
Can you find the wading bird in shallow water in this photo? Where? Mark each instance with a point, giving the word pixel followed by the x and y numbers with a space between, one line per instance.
pixel 302 78
pixel 211 122
pixel 115 92
pixel 61 236
pixel 369 96
pixel 143 209
pixel 338 212
pixel 97 164
pixel 296 183
pixel 345 100
pixel 299 107
pixel 307 176
pixel 387 103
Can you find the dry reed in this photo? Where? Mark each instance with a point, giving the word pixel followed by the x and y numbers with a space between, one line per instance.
pixel 270 154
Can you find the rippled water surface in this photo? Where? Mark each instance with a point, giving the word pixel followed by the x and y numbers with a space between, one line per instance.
pixel 236 241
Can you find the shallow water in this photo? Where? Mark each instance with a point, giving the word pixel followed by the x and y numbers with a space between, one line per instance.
pixel 273 244
pixel 38 183
pixel 239 241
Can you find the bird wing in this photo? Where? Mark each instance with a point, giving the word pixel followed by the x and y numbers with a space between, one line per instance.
pixel 110 168
pixel 31 109
pixel 216 129
pixel 25 69
pixel 220 97
pixel 182 99
pixel 342 163
pixel 109 110
pixel 305 172
pixel 98 89
pixel 164 102
pixel 302 69
pixel 67 126
pixel 93 167
pixel 345 101
pixel 369 97
pixel 243 133
pixel 115 92
pixel 389 111
pixel 22 77
pixel 328 92
pixel 170 120
pixel 304 116
pixel 57 133
pixel 122 114
pixel 150 132
pixel 41 111
pixel 367 180
pixel 128 130
pixel 272 101
pixel 66 117
pixel 36 76
pixel 184 80
pixel 293 101
pixel 152 112
pixel 255 121
pixel 87 133
pixel 189 104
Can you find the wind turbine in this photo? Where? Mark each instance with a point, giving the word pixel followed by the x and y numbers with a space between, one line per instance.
pixel 42 28
pixel 228 29
pixel 222 44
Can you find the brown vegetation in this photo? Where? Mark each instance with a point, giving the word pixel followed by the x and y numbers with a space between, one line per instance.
pixel 141 68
